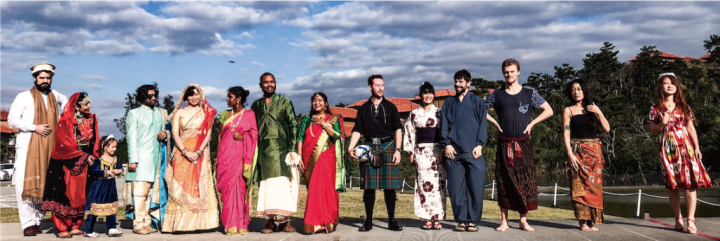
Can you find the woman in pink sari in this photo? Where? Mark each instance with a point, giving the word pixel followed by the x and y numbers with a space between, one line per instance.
pixel 320 144
pixel 236 146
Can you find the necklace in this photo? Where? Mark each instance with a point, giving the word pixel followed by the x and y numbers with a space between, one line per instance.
pixel 235 124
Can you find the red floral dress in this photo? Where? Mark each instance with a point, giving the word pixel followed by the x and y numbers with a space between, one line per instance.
pixel 680 168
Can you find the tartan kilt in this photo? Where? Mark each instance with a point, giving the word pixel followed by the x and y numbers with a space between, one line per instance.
pixel 385 177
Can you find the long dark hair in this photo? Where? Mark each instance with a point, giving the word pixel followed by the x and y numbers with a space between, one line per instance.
pixel 241 92
pixel 141 93
pixel 324 97
pixel 587 99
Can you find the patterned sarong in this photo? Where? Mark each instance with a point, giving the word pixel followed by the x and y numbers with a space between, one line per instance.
pixel 517 185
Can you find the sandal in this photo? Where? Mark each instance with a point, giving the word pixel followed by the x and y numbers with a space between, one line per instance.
pixel 76 232
pixel 682 227
pixel 472 228
pixel 428 225
pixel 692 230
pixel 460 227
pixel 437 226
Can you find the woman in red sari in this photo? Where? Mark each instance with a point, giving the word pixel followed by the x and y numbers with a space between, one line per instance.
pixel 76 147
pixel 320 145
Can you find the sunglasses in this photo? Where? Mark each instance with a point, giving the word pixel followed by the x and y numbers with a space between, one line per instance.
pixel 154 95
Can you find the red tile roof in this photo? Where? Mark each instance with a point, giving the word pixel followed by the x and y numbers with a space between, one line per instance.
pixel 688 59
pixel 662 55
pixel 403 104
pixel 4 114
pixel 705 56
pixel 345 112
pixel 440 93
pixel 5 129
pixel 348 131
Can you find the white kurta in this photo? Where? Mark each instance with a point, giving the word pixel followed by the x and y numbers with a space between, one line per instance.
pixel 21 116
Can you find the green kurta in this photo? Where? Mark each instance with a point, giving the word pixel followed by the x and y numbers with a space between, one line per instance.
pixel 277 132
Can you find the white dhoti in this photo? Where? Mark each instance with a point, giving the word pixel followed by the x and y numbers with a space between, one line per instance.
pixel 30 213
pixel 278 196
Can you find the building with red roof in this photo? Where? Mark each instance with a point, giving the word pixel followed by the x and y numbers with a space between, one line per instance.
pixel 672 57
pixel 349 116
pixel 7 136
pixel 404 106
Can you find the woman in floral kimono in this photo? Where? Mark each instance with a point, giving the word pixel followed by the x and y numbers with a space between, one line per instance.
pixel 76 147
pixel 236 146
pixel 582 121
pixel 679 150
pixel 192 204
pixel 320 143
pixel 422 141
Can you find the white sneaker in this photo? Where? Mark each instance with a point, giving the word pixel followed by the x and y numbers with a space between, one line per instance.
pixel 115 232
pixel 91 235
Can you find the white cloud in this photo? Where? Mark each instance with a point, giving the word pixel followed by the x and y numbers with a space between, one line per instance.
pixel 429 41
pixel 257 63
pixel 93 77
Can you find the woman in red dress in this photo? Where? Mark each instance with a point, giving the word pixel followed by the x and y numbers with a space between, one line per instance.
pixel 679 150
pixel 76 147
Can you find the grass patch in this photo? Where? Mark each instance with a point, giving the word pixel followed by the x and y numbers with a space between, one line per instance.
pixel 351 206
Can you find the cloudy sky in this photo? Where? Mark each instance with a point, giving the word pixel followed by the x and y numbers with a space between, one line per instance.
pixel 109 48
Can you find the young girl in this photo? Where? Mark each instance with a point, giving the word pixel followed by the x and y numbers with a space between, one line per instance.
pixel 679 150
pixel 102 197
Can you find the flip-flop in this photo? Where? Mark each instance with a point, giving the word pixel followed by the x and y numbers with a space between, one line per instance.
pixel 428 225
pixel 460 227
pixel 437 226
pixel 472 227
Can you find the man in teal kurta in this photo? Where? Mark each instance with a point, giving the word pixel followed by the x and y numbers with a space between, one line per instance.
pixel 277 132
pixel 144 127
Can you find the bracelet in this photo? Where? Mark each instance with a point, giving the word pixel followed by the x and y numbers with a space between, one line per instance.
pixel 184 150
pixel 199 152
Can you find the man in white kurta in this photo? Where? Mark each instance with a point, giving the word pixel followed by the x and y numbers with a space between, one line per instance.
pixel 21 116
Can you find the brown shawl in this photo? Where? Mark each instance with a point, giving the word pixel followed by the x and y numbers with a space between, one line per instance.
pixel 40 147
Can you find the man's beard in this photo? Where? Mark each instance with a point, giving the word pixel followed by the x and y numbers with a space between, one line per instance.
pixel 460 91
pixel 44 87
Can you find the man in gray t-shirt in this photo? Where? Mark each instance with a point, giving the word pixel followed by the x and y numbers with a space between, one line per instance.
pixel 514 161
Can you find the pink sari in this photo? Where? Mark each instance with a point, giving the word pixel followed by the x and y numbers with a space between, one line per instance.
pixel 232 156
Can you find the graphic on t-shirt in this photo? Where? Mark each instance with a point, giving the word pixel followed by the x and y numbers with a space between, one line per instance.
pixel 524 108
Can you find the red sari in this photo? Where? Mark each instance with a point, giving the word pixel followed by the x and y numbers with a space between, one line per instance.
pixel 319 154
pixel 65 184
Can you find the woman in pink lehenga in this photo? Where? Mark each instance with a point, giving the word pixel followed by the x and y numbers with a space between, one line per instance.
pixel 236 146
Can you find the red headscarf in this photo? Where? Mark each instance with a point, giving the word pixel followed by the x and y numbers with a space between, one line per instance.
pixel 65 145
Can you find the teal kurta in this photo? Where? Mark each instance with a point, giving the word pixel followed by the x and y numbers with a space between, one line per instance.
pixel 277 132
pixel 142 126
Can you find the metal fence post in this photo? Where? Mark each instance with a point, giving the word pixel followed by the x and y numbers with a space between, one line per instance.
pixel 555 197
pixel 638 205
pixel 402 190
pixel 492 193
pixel 351 179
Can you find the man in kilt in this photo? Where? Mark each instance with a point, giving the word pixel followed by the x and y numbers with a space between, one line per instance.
pixel 378 121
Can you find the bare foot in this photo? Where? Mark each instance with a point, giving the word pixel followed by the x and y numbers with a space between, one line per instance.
pixel 585 228
pixel 592 227
pixel 525 226
pixel 64 235
pixel 503 227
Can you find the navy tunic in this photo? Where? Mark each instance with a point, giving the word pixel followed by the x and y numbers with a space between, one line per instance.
pixel 463 124
pixel 102 193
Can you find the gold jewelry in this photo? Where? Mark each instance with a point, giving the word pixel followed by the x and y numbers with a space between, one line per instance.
pixel 184 150
pixel 199 152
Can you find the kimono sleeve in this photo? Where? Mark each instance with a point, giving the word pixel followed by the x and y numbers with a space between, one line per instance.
pixel 445 122
pixel 482 115
pixel 409 136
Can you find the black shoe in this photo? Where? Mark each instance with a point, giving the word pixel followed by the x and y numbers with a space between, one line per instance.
pixel 367 226
pixel 393 225
pixel 29 231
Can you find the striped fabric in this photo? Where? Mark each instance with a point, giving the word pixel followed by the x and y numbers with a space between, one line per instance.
pixel 386 177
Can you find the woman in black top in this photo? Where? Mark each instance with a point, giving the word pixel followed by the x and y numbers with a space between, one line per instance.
pixel 585 159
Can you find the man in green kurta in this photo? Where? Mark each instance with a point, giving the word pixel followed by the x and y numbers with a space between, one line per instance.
pixel 275 170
